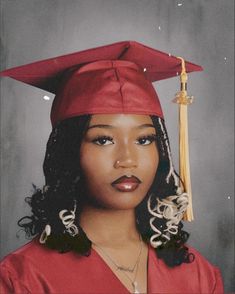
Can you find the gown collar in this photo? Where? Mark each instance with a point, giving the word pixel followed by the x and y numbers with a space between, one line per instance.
pixel 151 272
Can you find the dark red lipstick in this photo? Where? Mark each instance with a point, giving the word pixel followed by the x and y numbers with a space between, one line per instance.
pixel 126 184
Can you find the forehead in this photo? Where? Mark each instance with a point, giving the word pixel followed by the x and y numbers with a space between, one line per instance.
pixel 120 120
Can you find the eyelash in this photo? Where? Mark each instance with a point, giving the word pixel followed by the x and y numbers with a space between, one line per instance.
pixel 98 140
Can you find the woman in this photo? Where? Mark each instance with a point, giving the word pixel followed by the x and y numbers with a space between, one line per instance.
pixel 111 201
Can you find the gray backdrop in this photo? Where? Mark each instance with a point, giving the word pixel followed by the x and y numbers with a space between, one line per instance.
pixel 201 31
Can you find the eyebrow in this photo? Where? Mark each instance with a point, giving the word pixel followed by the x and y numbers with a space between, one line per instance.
pixel 113 127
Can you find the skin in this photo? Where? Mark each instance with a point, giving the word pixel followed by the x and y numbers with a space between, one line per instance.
pixel 108 216
pixel 125 153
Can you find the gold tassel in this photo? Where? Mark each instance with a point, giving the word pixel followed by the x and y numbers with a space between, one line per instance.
pixel 184 166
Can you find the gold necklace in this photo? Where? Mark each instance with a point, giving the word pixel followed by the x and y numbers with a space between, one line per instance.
pixel 123 269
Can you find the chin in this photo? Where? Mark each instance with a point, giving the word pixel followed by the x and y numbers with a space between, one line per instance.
pixel 122 201
pixel 116 200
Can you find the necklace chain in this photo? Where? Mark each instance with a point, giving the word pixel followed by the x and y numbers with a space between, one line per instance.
pixel 124 269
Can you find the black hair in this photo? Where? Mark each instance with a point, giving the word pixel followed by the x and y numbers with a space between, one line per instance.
pixel 64 186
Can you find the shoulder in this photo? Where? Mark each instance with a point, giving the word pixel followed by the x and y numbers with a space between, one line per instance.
pixel 200 262
pixel 208 274
pixel 37 257
pixel 199 276
pixel 16 266
pixel 24 264
pixel 33 266
pixel 32 252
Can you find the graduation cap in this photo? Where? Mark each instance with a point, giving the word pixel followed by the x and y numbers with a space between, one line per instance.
pixel 115 78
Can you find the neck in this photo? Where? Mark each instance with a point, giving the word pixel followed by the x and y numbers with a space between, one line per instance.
pixel 108 227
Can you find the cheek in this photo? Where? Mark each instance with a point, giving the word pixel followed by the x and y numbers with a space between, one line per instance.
pixel 94 164
pixel 149 164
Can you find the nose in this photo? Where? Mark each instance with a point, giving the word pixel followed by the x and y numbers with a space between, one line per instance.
pixel 126 158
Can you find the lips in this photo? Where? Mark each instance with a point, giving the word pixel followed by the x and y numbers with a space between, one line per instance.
pixel 126 184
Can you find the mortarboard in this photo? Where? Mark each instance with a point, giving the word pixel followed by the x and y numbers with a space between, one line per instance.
pixel 115 78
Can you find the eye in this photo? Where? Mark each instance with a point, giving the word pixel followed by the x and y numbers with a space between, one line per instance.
pixel 103 140
pixel 146 140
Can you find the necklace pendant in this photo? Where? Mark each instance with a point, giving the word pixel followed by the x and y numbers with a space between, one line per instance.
pixel 135 286
pixel 126 269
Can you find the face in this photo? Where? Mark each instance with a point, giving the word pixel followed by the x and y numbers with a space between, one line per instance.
pixel 119 159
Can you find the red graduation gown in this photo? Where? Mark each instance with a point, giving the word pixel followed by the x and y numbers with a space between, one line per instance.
pixel 36 269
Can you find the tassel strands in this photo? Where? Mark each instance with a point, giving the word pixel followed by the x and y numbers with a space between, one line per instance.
pixel 184 100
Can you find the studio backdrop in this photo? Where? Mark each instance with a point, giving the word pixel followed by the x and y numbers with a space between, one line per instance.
pixel 199 30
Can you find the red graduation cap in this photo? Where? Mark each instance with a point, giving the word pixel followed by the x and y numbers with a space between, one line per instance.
pixel 116 78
